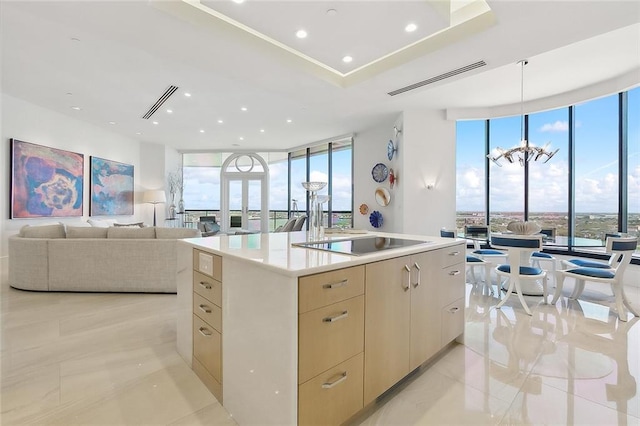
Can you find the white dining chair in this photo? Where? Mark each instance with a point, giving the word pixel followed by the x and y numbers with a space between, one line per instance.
pixel 621 250
pixel 519 249
pixel 471 263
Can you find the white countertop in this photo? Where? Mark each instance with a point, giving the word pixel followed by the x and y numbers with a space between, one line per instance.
pixel 275 250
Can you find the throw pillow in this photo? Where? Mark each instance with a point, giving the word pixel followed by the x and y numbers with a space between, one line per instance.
pixel 101 223
pixel 130 225
pixel 86 232
pixel 43 231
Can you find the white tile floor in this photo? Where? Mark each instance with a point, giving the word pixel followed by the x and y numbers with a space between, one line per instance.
pixel 110 359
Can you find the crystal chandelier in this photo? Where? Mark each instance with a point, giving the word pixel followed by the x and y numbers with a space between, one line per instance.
pixel 525 152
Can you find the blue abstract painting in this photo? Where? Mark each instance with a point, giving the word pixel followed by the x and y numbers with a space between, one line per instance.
pixel 111 188
pixel 45 181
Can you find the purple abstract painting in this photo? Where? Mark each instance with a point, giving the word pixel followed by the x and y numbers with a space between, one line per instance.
pixel 111 188
pixel 45 182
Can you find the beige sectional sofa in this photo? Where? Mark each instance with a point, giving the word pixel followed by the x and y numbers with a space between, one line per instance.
pixel 114 259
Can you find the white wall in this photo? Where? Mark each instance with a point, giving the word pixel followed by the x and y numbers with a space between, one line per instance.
pixel 30 123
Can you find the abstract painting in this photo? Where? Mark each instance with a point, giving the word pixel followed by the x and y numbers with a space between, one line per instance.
pixel 111 188
pixel 45 182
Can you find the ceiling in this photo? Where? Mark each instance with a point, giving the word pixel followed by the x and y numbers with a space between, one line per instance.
pixel 115 59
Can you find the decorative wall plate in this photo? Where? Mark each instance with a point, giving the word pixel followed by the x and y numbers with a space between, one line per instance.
pixel 375 219
pixel 393 178
pixel 364 209
pixel 383 197
pixel 379 172
pixel 391 149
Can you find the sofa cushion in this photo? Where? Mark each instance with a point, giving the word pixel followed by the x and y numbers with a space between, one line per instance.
pixel 129 225
pixel 124 232
pixel 176 233
pixel 86 232
pixel 43 231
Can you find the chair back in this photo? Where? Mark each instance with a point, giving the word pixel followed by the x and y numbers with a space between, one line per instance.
pixel 476 230
pixel 517 245
pixel 621 249
pixel 548 232
pixel 299 223
pixel 447 234
pixel 288 226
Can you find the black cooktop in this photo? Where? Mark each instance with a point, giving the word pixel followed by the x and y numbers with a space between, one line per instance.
pixel 360 246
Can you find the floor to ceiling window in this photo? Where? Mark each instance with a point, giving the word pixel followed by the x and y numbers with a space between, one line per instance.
pixel 506 182
pixel 596 167
pixel 589 188
pixel 548 182
pixel 342 183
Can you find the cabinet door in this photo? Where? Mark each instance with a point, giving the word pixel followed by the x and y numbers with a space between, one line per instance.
pixel 425 308
pixel 387 323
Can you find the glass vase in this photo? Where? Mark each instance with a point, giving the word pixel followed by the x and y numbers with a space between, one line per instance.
pixel 315 218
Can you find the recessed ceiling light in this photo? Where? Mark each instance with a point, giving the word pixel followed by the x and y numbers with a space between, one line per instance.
pixel 238 1
pixel 220 121
pixel 411 27
pixel 289 120
pixel 169 111
pixel 201 131
pixel 241 138
pixel 332 12
pixel 243 108
pixel 112 122
pixel 75 39
pixel 138 133
pixel 261 130
pixel 187 94
pixel 347 59
pixel 69 94
pixel 155 122
pixel 77 108
pixel 301 34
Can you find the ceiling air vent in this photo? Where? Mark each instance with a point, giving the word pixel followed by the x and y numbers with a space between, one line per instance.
pixel 161 100
pixel 439 77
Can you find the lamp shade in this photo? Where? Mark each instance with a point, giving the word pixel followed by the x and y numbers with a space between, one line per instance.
pixel 154 197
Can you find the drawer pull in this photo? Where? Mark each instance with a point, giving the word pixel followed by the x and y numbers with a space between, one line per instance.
pixel 454 253
pixel 454 310
pixel 454 273
pixel 205 331
pixel 205 285
pixel 336 318
pixel 417 283
pixel 336 285
pixel 205 309
pixel 341 378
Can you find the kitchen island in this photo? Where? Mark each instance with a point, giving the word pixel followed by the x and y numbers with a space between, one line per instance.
pixel 283 334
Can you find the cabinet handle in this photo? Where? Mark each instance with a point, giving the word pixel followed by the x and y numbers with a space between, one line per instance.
pixel 418 281
pixel 341 378
pixel 336 285
pixel 406 268
pixel 453 310
pixel 336 318
pixel 205 285
pixel 454 273
pixel 205 309
pixel 454 253
pixel 204 330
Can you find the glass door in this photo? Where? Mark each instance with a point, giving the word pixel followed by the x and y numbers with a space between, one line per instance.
pixel 245 204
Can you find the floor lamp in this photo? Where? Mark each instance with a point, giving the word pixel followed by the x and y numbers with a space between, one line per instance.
pixel 154 197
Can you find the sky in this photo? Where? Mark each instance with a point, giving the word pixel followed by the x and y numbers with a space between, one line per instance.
pixel 596 163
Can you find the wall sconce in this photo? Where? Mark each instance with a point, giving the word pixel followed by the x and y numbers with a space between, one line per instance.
pixel 430 185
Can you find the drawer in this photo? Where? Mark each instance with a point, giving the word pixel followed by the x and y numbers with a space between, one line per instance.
pixel 332 397
pixel 212 384
pixel 207 347
pixel 207 312
pixel 315 291
pixel 452 255
pixel 452 321
pixel 207 263
pixel 451 283
pixel 329 335
pixel 207 287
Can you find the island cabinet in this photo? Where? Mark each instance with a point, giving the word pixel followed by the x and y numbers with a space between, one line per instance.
pixel 330 346
pixel 405 314
pixel 207 320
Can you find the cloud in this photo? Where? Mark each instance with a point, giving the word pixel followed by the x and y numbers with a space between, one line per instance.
pixel 558 126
